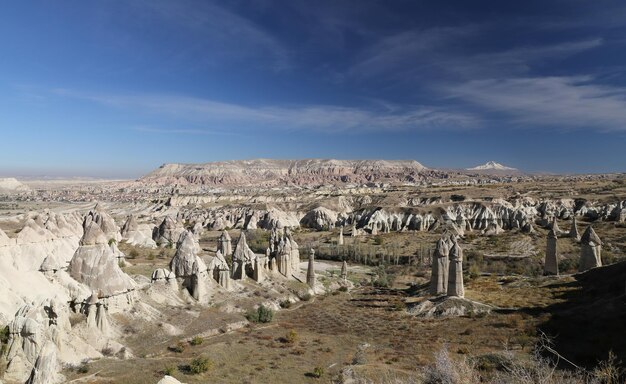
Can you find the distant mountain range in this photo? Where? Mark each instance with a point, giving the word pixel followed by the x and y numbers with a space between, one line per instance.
pixel 491 165
pixel 306 172
pixel 267 172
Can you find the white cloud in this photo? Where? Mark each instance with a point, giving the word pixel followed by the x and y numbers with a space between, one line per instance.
pixel 566 102
pixel 322 118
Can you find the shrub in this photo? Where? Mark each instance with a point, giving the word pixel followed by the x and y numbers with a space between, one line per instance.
pixel 83 368
pixel 121 264
pixel 150 257
pixel 378 240
pixel 306 297
pixel 196 340
pixel 112 241
pixel 133 254
pixel 291 337
pixel 318 372
pixel 261 315
pixel 200 365
pixel 4 335
pixel 169 370
pixel 285 304
pixel 474 271
pixel 343 288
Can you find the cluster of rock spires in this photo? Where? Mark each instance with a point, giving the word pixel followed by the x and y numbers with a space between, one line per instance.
pixel 90 283
pixel 486 217
pixel 590 248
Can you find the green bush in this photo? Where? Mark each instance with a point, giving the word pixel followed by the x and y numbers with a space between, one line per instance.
pixel 291 337
pixel 200 365
pixel 196 340
pixel 133 254
pixel 285 304
pixel 169 370
pixel 4 335
pixel 306 296
pixel 260 315
pixel 83 368
pixel 318 372
pixel 378 240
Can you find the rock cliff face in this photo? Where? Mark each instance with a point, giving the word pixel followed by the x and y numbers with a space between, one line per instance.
pixel 287 172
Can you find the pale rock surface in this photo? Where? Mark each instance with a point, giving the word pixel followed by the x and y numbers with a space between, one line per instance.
pixel 190 270
pixel 95 265
pixel 590 250
pixel 168 232
pixel 449 306
pixel 455 276
pixel 169 380
pixel 224 244
pixel 137 234
pixel 440 266
pixel 243 258
pixel 551 264
pixel 319 218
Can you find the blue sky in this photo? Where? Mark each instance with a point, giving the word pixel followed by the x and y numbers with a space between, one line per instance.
pixel 116 88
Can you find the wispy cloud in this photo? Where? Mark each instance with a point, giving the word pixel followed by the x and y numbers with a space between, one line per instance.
pixel 440 55
pixel 185 131
pixel 566 102
pixel 321 118
pixel 217 31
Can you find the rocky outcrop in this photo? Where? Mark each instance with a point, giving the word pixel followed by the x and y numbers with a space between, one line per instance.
pixel 573 231
pixel 551 264
pixel 167 233
pixel 95 265
pixel 310 272
pixel 137 234
pixel 439 270
pixel 449 306
pixel 189 269
pixel 224 244
pixel 243 259
pixel 319 218
pixel 218 268
pixel 591 250
pixel 455 273
pixel 106 223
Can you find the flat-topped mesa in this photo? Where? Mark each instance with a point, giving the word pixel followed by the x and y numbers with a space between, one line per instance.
pixel 440 266
pixel 455 277
pixel 267 172
pixel 94 265
pixel 243 260
pixel 551 264
pixel 590 250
